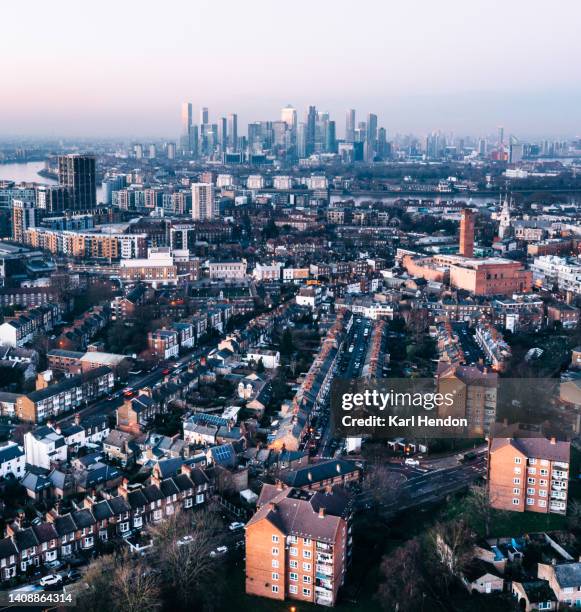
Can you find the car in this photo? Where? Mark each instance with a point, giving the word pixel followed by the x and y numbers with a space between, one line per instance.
pixel 221 550
pixel 50 580
pixel 71 576
pixel 410 461
pixel 53 564
pixel 187 539
pixel 235 526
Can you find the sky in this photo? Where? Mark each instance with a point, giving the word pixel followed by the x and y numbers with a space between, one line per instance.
pixel 122 68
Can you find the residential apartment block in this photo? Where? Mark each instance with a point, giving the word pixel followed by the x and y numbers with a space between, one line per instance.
pixel 529 474
pixel 297 545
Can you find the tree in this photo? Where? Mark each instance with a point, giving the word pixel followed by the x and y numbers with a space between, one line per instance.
pixel 404 580
pixel 120 583
pixel 478 508
pixel 187 567
pixel 287 345
pixel 260 366
pixel 382 485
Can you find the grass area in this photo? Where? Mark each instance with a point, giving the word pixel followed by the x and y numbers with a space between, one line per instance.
pixel 504 524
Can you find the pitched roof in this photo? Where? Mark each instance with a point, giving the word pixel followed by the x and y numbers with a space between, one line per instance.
pixel 316 472
pixel 539 448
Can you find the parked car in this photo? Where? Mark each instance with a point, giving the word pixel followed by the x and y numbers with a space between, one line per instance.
pixel 53 565
pixel 410 461
pixel 221 550
pixel 236 526
pixel 187 539
pixel 50 580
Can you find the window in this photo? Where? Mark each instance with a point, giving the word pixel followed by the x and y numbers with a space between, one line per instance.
pixel 307 592
pixel 275 563
pixel 293 576
pixel 274 552
pixel 294 551
pixel 307 554
pixel 532 461
pixel 530 501
pixel 515 502
pixel 542 503
pixel 275 539
pixel 516 481
pixel 532 470
pixel 517 470
pixel 544 472
pixel 306 567
pixel 530 491
pixel 307 541
pixel 542 493
pixel 293 588
pixel 543 483
pixel 517 460
pixel 292 539
pixel 293 563
pixel 531 480
pixel 274 575
pixel 275 588
pixel 307 579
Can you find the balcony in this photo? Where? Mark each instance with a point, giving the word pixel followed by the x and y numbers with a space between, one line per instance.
pixel 560 475
pixel 324 558
pixel 324 570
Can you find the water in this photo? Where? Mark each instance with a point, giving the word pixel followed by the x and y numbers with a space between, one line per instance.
pixel 26 172
pixel 477 201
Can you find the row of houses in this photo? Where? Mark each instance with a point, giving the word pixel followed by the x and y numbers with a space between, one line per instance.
pixel 21 329
pixel 134 508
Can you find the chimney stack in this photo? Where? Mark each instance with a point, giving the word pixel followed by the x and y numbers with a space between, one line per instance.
pixel 321 512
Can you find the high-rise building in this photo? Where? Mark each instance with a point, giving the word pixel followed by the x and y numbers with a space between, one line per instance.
pixel 203 202
pixel 500 135
pixel 223 134
pixel 382 148
pixel 350 126
pixel 170 149
pixel 528 474
pixel 482 147
pixel 371 129
pixel 331 144
pixel 302 140
pixel 289 115
pixel 311 126
pixel 297 545
pixel 233 132
pixel 152 151
pixel 467 233
pixel 185 136
pixel 204 115
pixel 77 173
pixel 25 215
pixel 52 198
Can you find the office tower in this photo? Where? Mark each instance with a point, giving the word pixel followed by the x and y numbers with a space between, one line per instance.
pixel 203 202
pixel 371 136
pixel 52 198
pixel 279 134
pixel 500 135
pixel 152 151
pixel 528 474
pixel 185 135
pixel 311 130
pixel 302 140
pixel 289 115
pixel 24 215
pixel 204 115
pixel 482 147
pixel 233 132
pixel 331 144
pixel 467 233
pixel 170 149
pixel 138 151
pixel 223 134
pixel 382 146
pixel 77 173
pixel 350 126
pixel 515 151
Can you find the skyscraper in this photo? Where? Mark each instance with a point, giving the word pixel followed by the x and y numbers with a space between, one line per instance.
pixel 77 174
pixel 289 115
pixel 223 134
pixel 371 129
pixel 350 126
pixel 186 130
pixel 302 140
pixel 204 115
pixel 233 132
pixel 203 203
pixel 311 130
pixel 24 215
pixel 331 144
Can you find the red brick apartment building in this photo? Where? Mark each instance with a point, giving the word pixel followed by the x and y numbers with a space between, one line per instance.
pixel 297 545
pixel 528 474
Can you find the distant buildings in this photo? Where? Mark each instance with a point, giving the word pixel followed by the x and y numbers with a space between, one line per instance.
pixel 529 474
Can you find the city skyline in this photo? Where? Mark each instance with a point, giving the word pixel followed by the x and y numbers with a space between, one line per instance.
pixel 445 67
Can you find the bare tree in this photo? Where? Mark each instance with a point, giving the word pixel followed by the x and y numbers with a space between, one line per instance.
pixel 187 566
pixel 383 485
pixel 136 586
pixel 479 508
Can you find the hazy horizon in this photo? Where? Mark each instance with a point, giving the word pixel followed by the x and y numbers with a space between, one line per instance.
pixel 125 70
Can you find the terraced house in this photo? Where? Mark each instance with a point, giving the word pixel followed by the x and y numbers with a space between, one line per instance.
pixel 112 516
